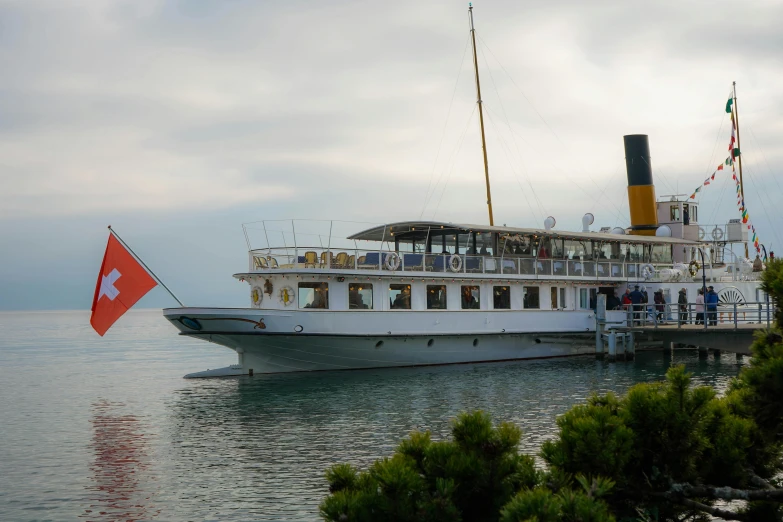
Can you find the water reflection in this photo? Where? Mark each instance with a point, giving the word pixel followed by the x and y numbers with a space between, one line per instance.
pixel 119 470
pixel 274 435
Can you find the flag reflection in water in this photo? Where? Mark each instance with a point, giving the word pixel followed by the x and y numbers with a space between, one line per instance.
pixel 120 470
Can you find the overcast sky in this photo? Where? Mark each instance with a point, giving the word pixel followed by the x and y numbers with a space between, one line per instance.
pixel 176 121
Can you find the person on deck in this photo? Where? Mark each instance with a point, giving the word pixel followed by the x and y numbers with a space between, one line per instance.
pixel 636 300
pixel 682 301
pixel 468 301
pixel 626 300
pixel 758 266
pixel 711 299
pixel 660 305
pixel 700 307
pixel 686 218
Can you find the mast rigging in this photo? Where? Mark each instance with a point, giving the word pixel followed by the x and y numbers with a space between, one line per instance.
pixel 481 115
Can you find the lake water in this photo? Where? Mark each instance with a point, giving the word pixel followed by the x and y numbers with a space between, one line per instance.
pixel 106 428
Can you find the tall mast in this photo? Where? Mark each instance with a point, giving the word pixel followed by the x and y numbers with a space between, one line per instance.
pixel 736 121
pixel 481 114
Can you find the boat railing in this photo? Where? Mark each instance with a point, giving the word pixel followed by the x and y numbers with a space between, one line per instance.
pixel 360 259
pixel 705 316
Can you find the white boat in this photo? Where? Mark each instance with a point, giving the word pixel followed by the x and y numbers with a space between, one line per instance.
pixel 428 293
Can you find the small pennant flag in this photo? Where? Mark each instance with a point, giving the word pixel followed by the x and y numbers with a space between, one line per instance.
pixel 720 167
pixel 728 104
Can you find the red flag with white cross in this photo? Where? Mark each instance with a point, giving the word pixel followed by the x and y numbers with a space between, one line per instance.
pixel 122 281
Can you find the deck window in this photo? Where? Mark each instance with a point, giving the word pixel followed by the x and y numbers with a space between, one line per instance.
pixel 470 297
pixel 530 297
pixel 436 297
pixel 400 297
pixel 588 297
pixel 314 295
pixel 360 296
pixel 501 297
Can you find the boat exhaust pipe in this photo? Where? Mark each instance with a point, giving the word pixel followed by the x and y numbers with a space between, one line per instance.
pixel 641 191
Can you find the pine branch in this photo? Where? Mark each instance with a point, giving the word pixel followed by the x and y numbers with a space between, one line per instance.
pixel 710 510
pixel 726 493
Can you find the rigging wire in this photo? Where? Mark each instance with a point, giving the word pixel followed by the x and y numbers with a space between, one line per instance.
pixel 505 148
pixel 761 151
pixel 761 200
pixel 445 125
pixel 715 207
pixel 519 153
pixel 573 181
pixel 453 162
pixel 596 202
pixel 446 167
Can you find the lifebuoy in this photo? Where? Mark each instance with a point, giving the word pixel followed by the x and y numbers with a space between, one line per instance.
pixel 717 234
pixel 256 296
pixel 693 268
pixel 455 263
pixel 286 296
pixel 647 271
pixel 392 262
pixel 702 233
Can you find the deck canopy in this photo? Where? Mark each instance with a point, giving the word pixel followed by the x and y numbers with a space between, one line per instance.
pixel 422 230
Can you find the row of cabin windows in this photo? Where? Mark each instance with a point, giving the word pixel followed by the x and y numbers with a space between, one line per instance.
pixel 360 296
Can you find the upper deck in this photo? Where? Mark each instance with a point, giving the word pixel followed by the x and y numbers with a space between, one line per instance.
pixel 429 247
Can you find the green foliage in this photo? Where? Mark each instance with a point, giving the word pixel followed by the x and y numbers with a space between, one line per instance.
pixel 469 478
pixel 629 457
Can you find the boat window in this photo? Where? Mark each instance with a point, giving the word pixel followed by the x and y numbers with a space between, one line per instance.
pixel 530 297
pixel 635 252
pixel 578 249
pixel 661 254
pixel 502 297
pixel 484 244
pixel 674 212
pixel 360 296
pixel 470 297
pixel 314 295
pixel 400 297
pixel 436 297
pixel 588 298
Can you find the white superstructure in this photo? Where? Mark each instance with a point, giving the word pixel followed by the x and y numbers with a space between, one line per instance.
pixel 423 293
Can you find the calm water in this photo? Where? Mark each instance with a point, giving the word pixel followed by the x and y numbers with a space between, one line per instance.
pixel 107 429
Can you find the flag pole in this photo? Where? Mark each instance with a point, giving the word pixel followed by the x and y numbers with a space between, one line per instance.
pixel 739 158
pixel 115 234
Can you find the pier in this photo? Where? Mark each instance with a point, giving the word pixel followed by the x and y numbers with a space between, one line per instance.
pixel 730 328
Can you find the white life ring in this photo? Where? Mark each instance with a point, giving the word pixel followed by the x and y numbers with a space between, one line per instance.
pixel 647 271
pixel 256 296
pixel 286 295
pixel 702 233
pixel 455 263
pixel 717 234
pixel 693 268
pixel 392 262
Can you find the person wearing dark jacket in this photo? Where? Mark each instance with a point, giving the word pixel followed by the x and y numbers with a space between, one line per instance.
pixel 636 300
pixel 682 300
pixel 660 305
pixel 711 300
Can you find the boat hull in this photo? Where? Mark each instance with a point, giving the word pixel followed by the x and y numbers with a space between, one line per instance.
pixel 305 341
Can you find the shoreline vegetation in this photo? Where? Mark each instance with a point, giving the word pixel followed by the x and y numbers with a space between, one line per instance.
pixel 666 451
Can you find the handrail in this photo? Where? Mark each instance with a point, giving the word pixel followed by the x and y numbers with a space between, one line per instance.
pixel 701 314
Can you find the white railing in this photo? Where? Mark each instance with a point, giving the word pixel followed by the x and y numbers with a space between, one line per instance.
pixel 359 259
pixel 702 315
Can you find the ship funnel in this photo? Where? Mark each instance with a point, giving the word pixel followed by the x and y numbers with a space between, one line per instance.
pixel 641 191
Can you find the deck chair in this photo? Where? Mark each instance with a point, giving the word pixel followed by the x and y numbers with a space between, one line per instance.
pixel 310 259
pixel 351 263
pixel 341 260
pixel 260 262
pixel 326 260
pixel 273 262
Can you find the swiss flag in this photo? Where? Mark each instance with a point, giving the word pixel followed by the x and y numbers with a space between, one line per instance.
pixel 121 282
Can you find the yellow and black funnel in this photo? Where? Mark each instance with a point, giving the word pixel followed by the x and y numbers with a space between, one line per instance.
pixel 641 191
